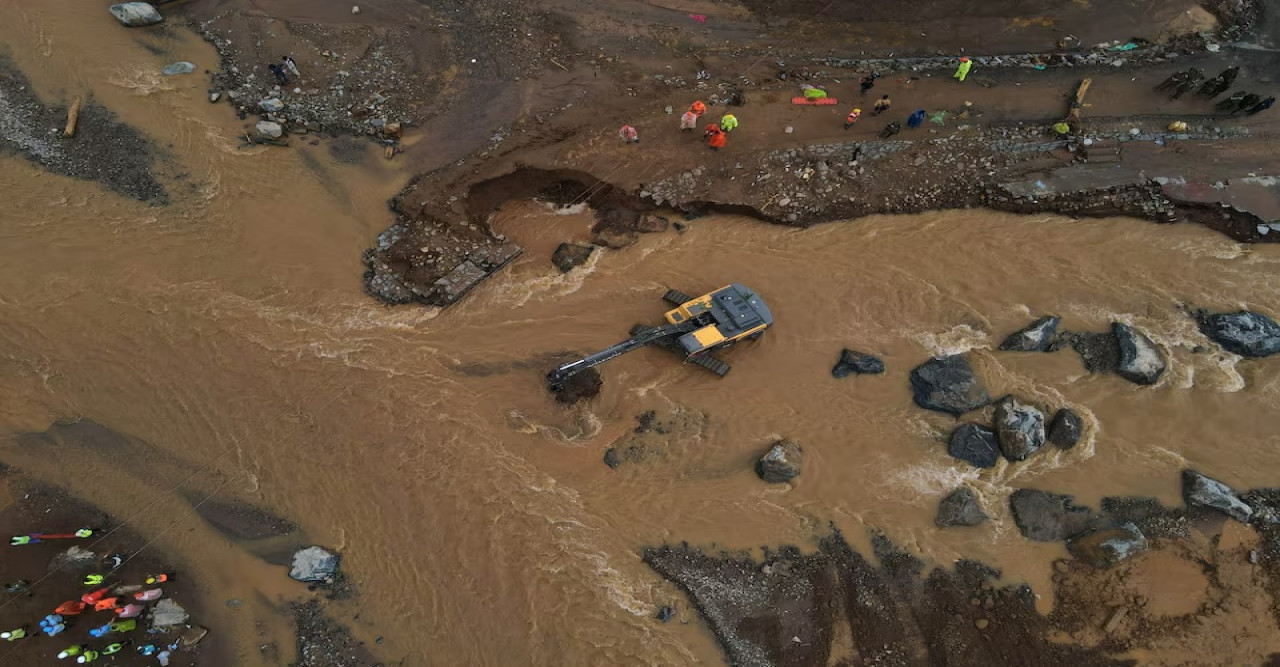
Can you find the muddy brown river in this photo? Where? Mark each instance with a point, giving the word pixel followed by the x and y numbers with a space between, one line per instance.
pixel 229 329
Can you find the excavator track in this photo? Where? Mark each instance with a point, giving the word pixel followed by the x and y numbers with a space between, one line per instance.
pixel 711 363
pixel 676 298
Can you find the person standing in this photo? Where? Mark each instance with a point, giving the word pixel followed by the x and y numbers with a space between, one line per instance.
pixel 882 105
pixel 852 118
pixel 915 119
pixel 715 138
pixel 698 108
pixel 689 121
pixel 629 135
pixel 1262 106
pixel 963 70
pixel 728 122
pixel 867 83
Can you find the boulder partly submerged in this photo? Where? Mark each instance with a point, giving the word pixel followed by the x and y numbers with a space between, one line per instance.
pixel 314 564
pixel 1035 337
pixel 1245 333
pixel 1201 491
pixel 859 363
pixel 960 508
pixel 136 14
pixel 948 384
pixel 1105 547
pixel 781 463
pixel 975 444
pixel 1066 428
pixel 1048 517
pixel 1141 361
pixel 569 255
pixel 1019 428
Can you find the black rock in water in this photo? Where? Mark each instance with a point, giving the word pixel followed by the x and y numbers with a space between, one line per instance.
pixel 1019 429
pixel 975 444
pixel 781 463
pixel 857 362
pixel 1141 361
pixel 1065 429
pixel 314 564
pixel 577 387
pixel 960 508
pixel 1201 491
pixel 611 458
pixel 1048 517
pixel 1105 547
pixel 948 384
pixel 1099 351
pixel 1036 337
pixel 665 614
pixel 1245 333
pixel 1152 518
pixel 569 255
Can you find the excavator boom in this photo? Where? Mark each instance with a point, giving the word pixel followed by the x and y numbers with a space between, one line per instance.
pixel 565 371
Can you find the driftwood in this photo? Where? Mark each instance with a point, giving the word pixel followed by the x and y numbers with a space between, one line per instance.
pixel 1077 105
pixel 73 117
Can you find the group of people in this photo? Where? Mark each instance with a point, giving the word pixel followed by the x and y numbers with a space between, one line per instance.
pixel 124 603
pixel 1181 83
pixel 715 134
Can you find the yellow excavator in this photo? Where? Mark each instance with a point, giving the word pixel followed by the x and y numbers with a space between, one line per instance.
pixel 695 328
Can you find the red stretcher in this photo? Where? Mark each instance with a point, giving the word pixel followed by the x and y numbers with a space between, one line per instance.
pixel 821 101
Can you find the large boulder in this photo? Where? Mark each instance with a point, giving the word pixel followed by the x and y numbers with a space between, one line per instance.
pixel 781 463
pixel 1019 428
pixel 1035 337
pixel 960 508
pixel 579 386
pixel 1105 547
pixel 136 14
pixel 1141 361
pixel 1066 428
pixel 1048 517
pixel 314 564
pixel 168 613
pixel 857 362
pixel 1201 491
pixel 569 255
pixel 948 384
pixel 269 129
pixel 1245 333
pixel 975 444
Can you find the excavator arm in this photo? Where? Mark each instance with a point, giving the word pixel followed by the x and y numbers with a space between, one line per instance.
pixel 563 372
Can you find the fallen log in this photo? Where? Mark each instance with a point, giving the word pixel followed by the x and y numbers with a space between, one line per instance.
pixel 1077 105
pixel 73 117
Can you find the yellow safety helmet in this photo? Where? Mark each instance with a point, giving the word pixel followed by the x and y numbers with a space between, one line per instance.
pixel 857 110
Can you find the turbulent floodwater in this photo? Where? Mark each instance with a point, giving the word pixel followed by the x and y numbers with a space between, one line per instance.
pixel 230 331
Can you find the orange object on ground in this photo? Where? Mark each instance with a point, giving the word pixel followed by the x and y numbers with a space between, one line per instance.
pixel 157 578
pixel 70 608
pixel 698 108
pixel 92 598
pixel 105 604
pixel 822 101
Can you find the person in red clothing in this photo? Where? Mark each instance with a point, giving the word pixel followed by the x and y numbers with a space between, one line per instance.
pixel 698 108
pixel 105 604
pixel 70 608
pixel 715 137
pixel 92 598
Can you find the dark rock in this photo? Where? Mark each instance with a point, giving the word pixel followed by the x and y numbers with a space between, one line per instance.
pixel 1201 491
pixel 193 636
pixel 612 238
pixel 1141 361
pixel 1019 428
pixel 975 444
pixel 569 255
pixel 611 458
pixel 960 508
pixel 135 14
pixel 948 384
pixel 1105 547
pixel 1154 520
pixel 781 463
pixel 1048 517
pixel 579 386
pixel 1066 428
pixel 1036 337
pixel 651 223
pixel 857 362
pixel 1099 351
pixel 240 520
pixel 665 614
pixel 1245 333
pixel 314 564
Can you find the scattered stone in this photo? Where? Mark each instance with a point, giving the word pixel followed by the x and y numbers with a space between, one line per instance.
pixel 194 635
pixel 1245 333
pixel 168 613
pixel 235 603
pixel 1066 428
pixel 269 129
pixel 651 224
pixel 181 67
pixel 1048 517
pixel 975 444
pixel 857 362
pixel 271 105
pixel 781 463
pixel 948 384
pixel 1141 361
pixel 314 564
pixel 569 255
pixel 1201 491
pixel 1036 337
pixel 960 508
pixel 1105 547
pixel 612 238
pixel 215 96
pixel 1099 351
pixel 1019 428
pixel 136 14
pixel 981 623
pixel 74 559
pixel 1113 621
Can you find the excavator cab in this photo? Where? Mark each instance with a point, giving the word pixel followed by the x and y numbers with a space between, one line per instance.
pixel 695 328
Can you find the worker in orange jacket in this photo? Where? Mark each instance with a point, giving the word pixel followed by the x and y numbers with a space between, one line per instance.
pixel 715 137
